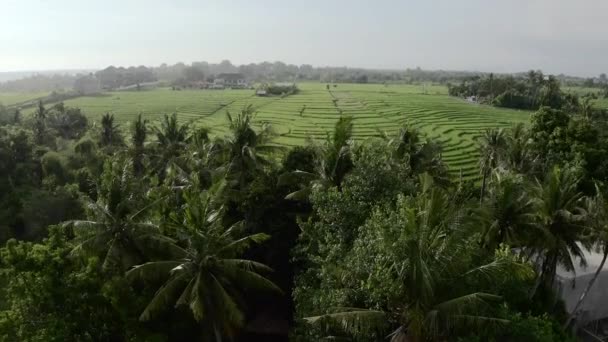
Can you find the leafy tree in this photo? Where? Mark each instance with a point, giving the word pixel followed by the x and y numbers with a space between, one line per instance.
pixel 49 296
pixel 68 122
pixel 412 262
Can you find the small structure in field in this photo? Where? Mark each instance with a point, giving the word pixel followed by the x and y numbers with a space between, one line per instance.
pixel 279 88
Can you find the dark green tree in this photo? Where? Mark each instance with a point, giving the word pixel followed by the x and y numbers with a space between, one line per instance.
pixel 207 273
pixel 139 132
pixel 110 133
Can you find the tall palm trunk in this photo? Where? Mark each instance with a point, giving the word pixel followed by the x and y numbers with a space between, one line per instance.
pixel 547 273
pixel 483 186
pixel 589 286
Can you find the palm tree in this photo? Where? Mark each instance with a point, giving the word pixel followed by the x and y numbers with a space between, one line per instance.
pixel 431 249
pixel 247 150
pixel 116 230
pixel 40 124
pixel 492 148
pixel 508 213
pixel 206 274
pixel 333 161
pixel 596 236
pixel 110 134
pixel 518 155
pixel 562 219
pixel 419 153
pixel 171 133
pixel 139 133
pixel 172 139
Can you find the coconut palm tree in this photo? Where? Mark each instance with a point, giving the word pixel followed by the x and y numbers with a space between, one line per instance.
pixel 172 139
pixel 110 132
pixel 139 132
pixel 518 155
pixel 430 254
pixel 491 151
pixel 116 229
pixel 508 214
pixel 206 272
pixel 333 161
pixel 39 127
pixel 419 153
pixel 247 150
pixel 562 219
pixel 596 237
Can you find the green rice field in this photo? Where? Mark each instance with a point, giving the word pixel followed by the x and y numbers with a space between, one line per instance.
pixel 8 99
pixel 314 110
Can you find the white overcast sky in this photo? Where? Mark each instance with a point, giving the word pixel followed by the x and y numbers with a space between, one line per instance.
pixel 557 36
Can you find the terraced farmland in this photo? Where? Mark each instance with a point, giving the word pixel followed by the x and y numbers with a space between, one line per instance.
pixel 314 110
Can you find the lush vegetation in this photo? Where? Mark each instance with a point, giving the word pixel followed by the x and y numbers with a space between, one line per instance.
pixel 151 228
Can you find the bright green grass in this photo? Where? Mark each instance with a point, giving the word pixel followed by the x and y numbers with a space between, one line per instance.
pixel 454 122
pixel 581 90
pixel 8 99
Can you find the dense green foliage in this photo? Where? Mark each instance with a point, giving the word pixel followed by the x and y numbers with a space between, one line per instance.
pixel 530 92
pixel 168 231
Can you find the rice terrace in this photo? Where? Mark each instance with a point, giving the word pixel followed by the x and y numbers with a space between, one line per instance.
pixel 313 111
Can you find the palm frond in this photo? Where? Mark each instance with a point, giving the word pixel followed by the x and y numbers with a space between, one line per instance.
pixel 241 245
pixel 230 312
pixel 354 321
pixel 164 296
pixel 151 271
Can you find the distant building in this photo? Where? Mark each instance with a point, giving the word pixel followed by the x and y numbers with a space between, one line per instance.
pixel 231 80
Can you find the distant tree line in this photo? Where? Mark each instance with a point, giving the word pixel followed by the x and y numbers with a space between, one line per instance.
pixel 113 77
pixel 279 71
pixel 39 83
pixel 529 92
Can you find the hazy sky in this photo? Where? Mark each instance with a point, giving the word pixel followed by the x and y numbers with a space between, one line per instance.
pixel 569 36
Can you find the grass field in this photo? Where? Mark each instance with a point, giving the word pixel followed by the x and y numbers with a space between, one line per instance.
pixel 8 99
pixel 454 122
